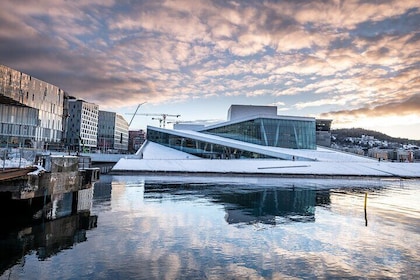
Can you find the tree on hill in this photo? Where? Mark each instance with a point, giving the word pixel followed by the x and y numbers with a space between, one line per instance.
pixel 343 133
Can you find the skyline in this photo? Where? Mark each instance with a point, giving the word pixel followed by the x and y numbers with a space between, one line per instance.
pixel 356 62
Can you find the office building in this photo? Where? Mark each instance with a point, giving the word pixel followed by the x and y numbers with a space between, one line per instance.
pixel 112 132
pixel 82 125
pixel 31 110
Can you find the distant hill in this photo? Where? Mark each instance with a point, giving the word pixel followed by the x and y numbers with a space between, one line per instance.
pixel 341 134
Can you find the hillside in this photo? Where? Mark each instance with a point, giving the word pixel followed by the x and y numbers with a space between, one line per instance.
pixel 341 134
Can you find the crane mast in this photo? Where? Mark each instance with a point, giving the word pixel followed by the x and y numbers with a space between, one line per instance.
pixel 135 113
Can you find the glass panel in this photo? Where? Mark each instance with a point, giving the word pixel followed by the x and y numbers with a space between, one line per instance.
pixel 200 148
pixel 294 134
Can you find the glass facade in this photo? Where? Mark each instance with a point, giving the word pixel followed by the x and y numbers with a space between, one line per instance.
pixel 121 133
pixel 200 148
pixel 276 132
pixel 17 88
pixel 17 125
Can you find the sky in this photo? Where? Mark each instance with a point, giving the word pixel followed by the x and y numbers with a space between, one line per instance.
pixel 355 62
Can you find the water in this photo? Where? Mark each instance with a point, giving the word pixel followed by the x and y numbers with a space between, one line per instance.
pixel 223 228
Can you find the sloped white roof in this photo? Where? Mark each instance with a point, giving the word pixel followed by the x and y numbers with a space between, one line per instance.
pixel 258 167
pixel 320 154
pixel 319 162
pixel 151 150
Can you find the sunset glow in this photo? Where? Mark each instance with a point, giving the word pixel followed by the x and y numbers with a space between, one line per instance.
pixel 356 62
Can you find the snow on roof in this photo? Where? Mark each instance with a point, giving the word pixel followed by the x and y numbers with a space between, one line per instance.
pixel 270 167
pixel 157 158
pixel 152 150
pixel 320 154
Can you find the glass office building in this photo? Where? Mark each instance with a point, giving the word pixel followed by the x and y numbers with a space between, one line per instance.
pixel 31 110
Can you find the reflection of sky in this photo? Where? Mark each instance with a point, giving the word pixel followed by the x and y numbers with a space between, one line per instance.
pixel 162 235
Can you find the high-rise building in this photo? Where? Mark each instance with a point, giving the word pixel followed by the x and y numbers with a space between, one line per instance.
pixel 31 110
pixel 82 125
pixel 112 132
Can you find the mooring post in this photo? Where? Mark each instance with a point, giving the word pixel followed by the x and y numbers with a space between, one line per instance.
pixel 4 158
pixel 20 156
pixel 366 221
pixel 74 202
pixel 44 207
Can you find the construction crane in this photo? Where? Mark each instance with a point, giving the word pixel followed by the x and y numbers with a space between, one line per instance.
pixel 165 120
pixel 162 119
pixel 158 119
pixel 135 113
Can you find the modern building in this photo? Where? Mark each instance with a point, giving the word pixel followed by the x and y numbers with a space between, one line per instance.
pixel 136 138
pixel 323 132
pixel 249 145
pixel 82 125
pixel 112 132
pixel 31 110
pixel 244 135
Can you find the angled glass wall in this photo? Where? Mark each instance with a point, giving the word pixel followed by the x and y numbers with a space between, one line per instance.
pixel 276 132
pixel 200 148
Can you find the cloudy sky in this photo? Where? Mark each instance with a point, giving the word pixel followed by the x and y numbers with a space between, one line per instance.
pixel 356 62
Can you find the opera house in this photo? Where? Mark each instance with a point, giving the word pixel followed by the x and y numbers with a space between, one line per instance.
pixel 253 141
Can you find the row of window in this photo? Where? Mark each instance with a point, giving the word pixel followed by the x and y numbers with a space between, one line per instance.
pixel 18 115
pixel 17 130
pixel 19 84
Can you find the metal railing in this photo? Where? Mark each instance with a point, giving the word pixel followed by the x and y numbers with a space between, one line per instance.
pixel 17 157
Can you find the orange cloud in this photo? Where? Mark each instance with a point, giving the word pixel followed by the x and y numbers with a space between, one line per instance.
pixel 407 106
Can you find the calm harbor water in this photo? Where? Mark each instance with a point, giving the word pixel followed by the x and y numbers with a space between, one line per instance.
pixel 131 227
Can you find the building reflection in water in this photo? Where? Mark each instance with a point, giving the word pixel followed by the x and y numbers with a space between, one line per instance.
pixel 103 192
pixel 259 204
pixel 55 226
pixel 269 206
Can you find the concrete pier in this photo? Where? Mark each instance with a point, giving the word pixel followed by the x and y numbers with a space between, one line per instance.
pixel 53 175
